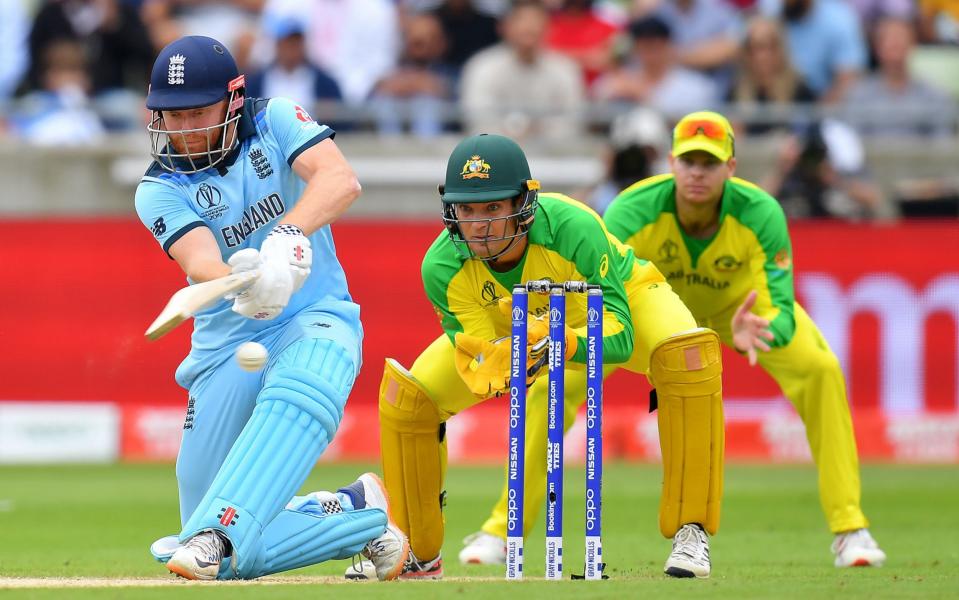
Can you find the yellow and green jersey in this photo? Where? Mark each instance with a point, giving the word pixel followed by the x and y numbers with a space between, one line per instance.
pixel 750 250
pixel 566 242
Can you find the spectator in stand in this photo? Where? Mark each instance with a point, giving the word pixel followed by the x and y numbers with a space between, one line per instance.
pixel 707 35
pixel 766 81
pixel 872 11
pixel 108 32
pixel 232 22
pixel 467 29
pixel 420 87
pixel 826 44
pixel 639 143
pixel 117 53
pixel 822 172
pixel 939 21
pixel 651 76
pixel 355 41
pixel 14 54
pixel 519 87
pixel 890 103
pixel 59 113
pixel 578 32
pixel 291 75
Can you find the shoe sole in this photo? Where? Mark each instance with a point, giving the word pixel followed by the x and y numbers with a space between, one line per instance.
pixel 380 487
pixel 683 573
pixel 864 561
pixel 185 573
pixel 422 575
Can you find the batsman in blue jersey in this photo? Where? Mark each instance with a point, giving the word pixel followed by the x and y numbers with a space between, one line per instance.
pixel 239 184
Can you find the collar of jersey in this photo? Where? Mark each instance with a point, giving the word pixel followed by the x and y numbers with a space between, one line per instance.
pixel 246 128
pixel 696 246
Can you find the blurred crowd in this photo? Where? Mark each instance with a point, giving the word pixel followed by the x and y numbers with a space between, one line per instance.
pixel 827 74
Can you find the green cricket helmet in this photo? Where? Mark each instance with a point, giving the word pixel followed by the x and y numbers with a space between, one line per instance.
pixel 487 168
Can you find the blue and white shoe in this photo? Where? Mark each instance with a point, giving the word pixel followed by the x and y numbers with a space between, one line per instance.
pixel 200 557
pixel 389 552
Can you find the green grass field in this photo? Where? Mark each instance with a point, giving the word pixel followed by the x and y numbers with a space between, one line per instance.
pixel 98 521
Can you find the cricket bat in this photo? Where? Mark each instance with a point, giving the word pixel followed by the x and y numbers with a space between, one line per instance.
pixel 188 301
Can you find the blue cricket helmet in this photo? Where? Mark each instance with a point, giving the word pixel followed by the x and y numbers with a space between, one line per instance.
pixel 190 72
pixel 194 72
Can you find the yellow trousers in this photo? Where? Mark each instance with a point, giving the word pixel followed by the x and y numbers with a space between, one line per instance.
pixel 657 314
pixel 810 375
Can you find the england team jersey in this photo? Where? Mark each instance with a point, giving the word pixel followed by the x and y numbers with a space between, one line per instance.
pixel 240 202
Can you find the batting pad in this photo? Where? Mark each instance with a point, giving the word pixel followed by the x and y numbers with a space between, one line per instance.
pixel 296 415
pixel 686 371
pixel 414 458
pixel 295 539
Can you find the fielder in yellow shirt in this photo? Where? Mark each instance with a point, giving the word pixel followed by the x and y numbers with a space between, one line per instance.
pixel 500 231
pixel 723 245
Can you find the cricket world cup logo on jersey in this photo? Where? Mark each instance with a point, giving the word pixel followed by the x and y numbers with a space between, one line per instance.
pixel 668 252
pixel 210 200
pixel 208 196
pixel 175 71
pixel 489 293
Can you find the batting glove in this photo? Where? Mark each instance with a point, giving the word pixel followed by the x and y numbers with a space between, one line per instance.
pixel 271 292
pixel 287 245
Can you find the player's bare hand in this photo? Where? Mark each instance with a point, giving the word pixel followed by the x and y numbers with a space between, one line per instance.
pixel 750 331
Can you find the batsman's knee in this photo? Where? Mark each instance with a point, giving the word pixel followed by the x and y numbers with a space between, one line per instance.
pixel 314 375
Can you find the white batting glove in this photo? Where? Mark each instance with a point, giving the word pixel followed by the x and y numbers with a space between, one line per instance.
pixel 287 244
pixel 271 292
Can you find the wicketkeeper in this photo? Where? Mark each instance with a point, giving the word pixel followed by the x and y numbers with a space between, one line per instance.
pixel 501 230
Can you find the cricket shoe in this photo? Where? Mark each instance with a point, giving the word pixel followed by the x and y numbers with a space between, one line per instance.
pixel 390 552
pixel 690 555
pixel 360 570
pixel 200 557
pixel 483 548
pixel 857 549
pixel 414 569
pixel 423 569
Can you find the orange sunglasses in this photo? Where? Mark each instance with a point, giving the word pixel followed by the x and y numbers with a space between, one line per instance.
pixel 710 129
